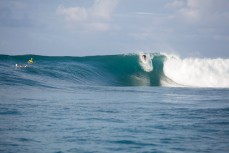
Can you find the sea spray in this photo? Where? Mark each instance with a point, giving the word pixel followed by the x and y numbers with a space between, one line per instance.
pixel 197 72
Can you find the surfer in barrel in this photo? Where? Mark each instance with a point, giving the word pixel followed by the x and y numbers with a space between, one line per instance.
pixel 144 57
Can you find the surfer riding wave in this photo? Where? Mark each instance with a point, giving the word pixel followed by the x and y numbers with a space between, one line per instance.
pixel 146 62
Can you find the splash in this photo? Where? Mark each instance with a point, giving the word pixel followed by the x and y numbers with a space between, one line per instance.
pixel 197 72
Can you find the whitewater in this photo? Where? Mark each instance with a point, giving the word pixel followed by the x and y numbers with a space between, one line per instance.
pixel 114 103
pixel 197 72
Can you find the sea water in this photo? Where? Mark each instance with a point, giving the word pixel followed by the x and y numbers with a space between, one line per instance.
pixel 80 104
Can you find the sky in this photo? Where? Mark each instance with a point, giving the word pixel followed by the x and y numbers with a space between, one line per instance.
pixel 189 28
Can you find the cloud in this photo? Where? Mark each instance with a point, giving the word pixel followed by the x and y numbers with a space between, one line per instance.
pixel 103 8
pixel 96 17
pixel 207 18
pixel 200 11
pixel 175 4
pixel 203 22
pixel 73 14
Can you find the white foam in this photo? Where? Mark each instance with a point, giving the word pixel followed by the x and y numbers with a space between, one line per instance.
pixel 198 72
pixel 21 66
pixel 146 63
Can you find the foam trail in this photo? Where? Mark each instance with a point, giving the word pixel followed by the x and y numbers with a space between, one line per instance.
pixel 198 72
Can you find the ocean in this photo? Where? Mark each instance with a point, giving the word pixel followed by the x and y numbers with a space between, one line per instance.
pixel 114 103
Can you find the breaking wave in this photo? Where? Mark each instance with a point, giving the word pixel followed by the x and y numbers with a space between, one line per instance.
pixel 154 69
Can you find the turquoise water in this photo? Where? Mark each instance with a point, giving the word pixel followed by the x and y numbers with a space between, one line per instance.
pixel 106 104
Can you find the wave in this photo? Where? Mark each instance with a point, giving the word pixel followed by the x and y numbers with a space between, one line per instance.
pixel 152 69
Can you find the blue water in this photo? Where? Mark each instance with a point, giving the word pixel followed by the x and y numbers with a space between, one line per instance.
pixel 42 112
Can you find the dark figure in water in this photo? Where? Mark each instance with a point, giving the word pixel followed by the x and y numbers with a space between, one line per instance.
pixel 144 56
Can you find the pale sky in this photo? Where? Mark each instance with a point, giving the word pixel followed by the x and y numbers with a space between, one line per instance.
pixel 196 28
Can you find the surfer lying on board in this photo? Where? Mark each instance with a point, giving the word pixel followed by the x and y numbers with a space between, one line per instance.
pixel 30 61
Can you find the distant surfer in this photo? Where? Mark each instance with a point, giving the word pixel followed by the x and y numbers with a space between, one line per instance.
pixel 30 61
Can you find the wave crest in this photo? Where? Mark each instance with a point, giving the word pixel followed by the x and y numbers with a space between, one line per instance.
pixel 198 72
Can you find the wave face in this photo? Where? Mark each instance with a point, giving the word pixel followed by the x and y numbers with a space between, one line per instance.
pixel 114 70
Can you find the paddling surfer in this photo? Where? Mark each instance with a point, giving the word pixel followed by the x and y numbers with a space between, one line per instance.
pixel 30 61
